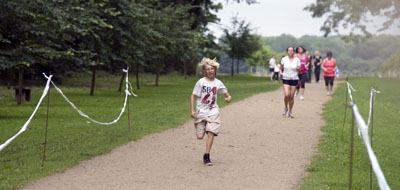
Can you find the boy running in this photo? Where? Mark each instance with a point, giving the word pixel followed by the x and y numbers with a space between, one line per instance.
pixel 206 116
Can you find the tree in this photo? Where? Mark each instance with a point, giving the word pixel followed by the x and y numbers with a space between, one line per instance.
pixel 248 44
pixel 391 67
pixel 28 36
pixel 239 42
pixel 354 15
pixel 260 56
pixel 229 40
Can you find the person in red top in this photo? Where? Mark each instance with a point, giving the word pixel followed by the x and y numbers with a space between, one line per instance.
pixel 329 66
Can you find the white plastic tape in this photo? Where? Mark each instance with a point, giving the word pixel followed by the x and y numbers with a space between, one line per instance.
pixel 383 185
pixel 46 89
pixel 127 93
pixel 349 89
pixel 371 100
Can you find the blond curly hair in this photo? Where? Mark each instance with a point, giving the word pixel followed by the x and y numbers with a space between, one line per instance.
pixel 212 62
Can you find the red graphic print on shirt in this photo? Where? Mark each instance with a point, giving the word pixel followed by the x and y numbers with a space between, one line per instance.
pixel 209 90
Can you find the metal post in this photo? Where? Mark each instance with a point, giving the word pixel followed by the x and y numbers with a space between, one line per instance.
pixel 372 137
pixel 345 109
pixel 47 124
pixel 129 120
pixel 351 152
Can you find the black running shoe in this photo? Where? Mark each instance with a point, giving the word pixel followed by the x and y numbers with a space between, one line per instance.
pixel 206 160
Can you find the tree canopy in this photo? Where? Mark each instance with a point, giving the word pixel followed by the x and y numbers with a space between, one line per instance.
pixel 355 15
pixel 239 42
pixel 68 36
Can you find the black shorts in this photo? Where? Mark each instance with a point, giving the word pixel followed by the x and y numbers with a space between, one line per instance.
pixel 329 80
pixel 290 82
pixel 303 79
pixel 271 70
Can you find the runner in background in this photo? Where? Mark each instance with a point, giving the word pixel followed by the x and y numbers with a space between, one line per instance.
pixel 300 53
pixel 329 67
pixel 276 71
pixel 272 63
pixel 310 66
pixel 316 62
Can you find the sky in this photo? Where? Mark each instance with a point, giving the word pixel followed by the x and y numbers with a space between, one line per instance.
pixel 273 17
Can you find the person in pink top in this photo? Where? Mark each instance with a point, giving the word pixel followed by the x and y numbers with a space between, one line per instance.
pixel 329 66
pixel 300 53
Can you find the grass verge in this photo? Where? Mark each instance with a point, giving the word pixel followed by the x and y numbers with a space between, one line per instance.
pixel 72 139
pixel 330 167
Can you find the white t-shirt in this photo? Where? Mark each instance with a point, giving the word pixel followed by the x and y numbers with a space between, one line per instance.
pixel 206 92
pixel 272 63
pixel 290 68
pixel 277 67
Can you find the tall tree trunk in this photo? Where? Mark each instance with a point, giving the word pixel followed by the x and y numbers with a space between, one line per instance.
pixel 20 84
pixel 121 81
pixel 232 66
pixel 157 77
pixel 93 80
pixel 237 66
pixel 137 75
pixel 185 70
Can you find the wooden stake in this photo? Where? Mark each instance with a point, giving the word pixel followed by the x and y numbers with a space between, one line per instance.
pixel 351 153
pixel 372 137
pixel 345 109
pixel 129 120
pixel 47 124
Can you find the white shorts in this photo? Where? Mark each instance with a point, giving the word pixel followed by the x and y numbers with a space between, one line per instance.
pixel 207 124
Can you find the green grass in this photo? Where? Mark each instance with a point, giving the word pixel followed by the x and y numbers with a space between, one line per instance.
pixel 71 139
pixel 330 167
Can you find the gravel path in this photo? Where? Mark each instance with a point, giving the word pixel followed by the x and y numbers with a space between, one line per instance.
pixel 257 148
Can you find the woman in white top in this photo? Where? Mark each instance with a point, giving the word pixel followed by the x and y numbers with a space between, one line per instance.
pixel 289 70
pixel 272 63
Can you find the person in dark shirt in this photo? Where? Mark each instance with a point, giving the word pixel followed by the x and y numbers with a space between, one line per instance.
pixel 316 62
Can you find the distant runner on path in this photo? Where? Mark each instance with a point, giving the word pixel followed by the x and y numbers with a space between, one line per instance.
pixel 329 66
pixel 289 71
pixel 206 117
pixel 272 63
pixel 303 57
pixel 316 61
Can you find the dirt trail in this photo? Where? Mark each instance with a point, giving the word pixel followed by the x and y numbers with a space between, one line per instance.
pixel 257 148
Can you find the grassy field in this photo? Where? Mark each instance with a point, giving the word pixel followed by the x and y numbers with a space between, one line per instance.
pixel 330 167
pixel 72 139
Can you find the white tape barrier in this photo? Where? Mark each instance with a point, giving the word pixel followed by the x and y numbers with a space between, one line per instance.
pixel 127 93
pixel 46 89
pixel 349 89
pixel 383 185
pixel 371 100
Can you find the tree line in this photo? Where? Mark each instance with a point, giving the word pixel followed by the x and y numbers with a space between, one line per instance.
pixel 63 37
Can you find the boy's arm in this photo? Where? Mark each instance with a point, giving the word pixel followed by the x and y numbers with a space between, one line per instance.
pixel 192 112
pixel 228 97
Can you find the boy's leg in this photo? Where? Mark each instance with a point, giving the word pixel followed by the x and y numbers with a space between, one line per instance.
pixel 200 136
pixel 210 141
pixel 200 128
